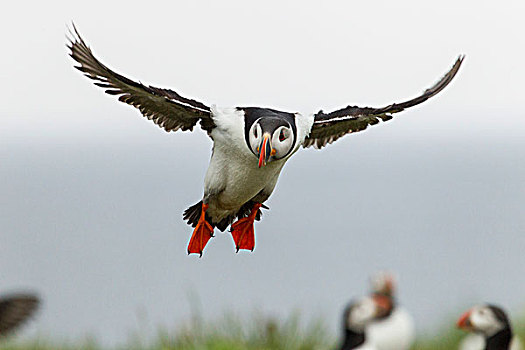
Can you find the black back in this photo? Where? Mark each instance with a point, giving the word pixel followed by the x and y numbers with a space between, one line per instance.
pixel 499 341
pixel 502 339
pixel 352 339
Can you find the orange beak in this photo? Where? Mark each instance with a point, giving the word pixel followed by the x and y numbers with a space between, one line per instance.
pixel 383 304
pixel 265 150
pixel 464 321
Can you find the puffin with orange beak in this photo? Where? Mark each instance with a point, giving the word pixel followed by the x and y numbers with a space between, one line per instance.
pixel 491 328
pixel 250 144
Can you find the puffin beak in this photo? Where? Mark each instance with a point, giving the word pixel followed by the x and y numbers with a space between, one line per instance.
pixel 464 321
pixel 382 304
pixel 265 150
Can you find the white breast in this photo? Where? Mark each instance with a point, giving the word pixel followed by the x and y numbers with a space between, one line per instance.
pixel 477 342
pixel 234 169
pixel 366 346
pixel 396 332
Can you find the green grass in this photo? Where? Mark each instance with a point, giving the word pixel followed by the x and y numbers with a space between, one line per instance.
pixel 236 333
pixel 229 332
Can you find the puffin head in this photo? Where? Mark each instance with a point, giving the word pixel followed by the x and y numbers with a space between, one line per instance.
pixel 270 134
pixel 383 283
pixel 484 319
pixel 270 138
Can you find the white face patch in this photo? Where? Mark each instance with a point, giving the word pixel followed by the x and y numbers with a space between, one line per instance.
pixel 282 141
pixel 255 137
pixel 363 312
pixel 484 321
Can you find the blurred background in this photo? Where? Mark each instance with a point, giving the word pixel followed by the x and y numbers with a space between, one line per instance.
pixel 92 194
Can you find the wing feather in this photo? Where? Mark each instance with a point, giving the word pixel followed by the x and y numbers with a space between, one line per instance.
pixel 164 107
pixel 327 128
pixel 15 310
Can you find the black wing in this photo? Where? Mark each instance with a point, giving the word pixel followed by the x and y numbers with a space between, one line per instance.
pixel 329 127
pixel 15 309
pixel 165 107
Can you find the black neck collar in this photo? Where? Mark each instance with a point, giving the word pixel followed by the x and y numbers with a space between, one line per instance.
pixel 500 340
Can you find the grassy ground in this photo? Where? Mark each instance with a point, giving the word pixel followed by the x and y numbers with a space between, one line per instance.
pixel 231 333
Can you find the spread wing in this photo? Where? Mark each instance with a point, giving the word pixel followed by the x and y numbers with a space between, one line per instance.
pixel 16 309
pixel 164 107
pixel 329 127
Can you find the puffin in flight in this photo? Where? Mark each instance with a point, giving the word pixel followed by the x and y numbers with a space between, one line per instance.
pixel 250 144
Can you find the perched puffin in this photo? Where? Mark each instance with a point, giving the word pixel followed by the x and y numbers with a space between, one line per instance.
pixel 394 329
pixel 250 144
pixel 15 309
pixel 357 317
pixel 491 327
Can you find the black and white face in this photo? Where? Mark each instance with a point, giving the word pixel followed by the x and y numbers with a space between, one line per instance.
pixel 485 319
pixel 270 139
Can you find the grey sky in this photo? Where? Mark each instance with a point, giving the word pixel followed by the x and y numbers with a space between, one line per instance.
pixel 92 194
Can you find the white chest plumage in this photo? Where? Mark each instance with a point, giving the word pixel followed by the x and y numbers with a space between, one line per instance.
pixel 233 179
pixel 233 176
pixel 397 332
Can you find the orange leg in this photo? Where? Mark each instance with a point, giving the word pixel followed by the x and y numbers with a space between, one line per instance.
pixel 201 235
pixel 242 230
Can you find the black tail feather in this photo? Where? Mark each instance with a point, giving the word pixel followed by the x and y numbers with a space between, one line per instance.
pixel 247 208
pixel 193 214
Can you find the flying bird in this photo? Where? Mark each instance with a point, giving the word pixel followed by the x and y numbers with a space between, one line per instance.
pixel 15 309
pixel 250 144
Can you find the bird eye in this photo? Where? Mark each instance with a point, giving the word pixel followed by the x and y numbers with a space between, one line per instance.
pixel 255 132
pixel 282 136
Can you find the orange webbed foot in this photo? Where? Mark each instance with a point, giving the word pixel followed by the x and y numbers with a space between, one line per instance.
pixel 242 231
pixel 201 234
